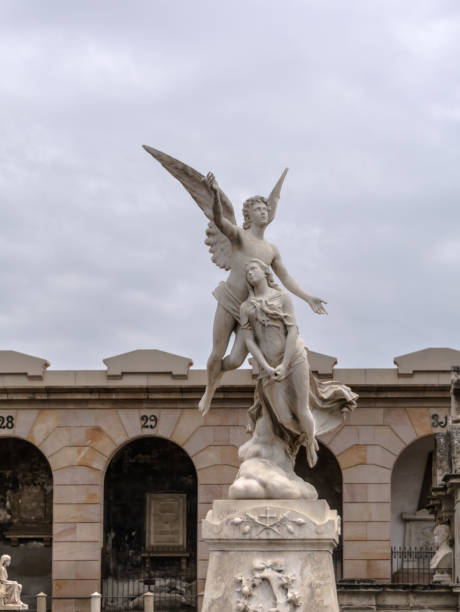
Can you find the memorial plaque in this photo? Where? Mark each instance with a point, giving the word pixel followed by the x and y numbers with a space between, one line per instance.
pixel 166 521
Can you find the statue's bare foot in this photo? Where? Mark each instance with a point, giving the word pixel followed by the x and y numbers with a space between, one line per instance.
pixel 205 403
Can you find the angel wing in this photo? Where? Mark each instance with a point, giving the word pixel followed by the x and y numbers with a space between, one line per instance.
pixel 274 197
pixel 194 182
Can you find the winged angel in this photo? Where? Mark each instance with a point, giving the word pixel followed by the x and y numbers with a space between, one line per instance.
pixel 232 247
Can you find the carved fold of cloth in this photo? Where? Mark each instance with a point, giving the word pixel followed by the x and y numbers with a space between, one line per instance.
pixel 328 401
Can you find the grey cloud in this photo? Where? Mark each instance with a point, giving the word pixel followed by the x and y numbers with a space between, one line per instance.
pixel 103 252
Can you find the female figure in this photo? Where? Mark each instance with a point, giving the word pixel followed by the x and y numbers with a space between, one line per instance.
pixel 271 334
pixel 290 405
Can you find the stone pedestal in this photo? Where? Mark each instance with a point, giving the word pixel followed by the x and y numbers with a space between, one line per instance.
pixel 271 556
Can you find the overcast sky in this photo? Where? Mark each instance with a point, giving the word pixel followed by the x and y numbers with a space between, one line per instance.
pixel 102 251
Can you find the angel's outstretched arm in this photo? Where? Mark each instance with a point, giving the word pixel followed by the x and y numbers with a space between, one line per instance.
pixel 315 303
pixel 226 227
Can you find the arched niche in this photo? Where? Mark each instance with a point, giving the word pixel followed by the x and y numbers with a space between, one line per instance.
pixel 411 525
pixel 26 515
pixel 150 526
pixel 326 477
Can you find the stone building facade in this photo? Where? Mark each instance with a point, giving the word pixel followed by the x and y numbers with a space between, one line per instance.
pixel 80 421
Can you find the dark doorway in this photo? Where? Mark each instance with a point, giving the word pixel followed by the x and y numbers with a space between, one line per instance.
pixel 26 514
pixel 150 527
pixel 326 477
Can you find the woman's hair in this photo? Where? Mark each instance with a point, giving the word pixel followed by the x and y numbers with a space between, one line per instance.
pixel 268 273
pixel 249 202
pixel 4 558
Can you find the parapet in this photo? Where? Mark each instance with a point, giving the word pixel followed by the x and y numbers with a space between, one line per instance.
pixel 148 361
pixel 321 364
pixel 12 362
pixel 427 360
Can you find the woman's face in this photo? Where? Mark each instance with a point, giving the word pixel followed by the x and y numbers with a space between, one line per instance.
pixel 254 273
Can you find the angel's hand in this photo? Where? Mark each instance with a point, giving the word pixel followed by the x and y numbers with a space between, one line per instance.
pixel 316 304
pixel 212 182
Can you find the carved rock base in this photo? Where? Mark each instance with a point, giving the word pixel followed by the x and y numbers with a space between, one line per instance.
pixel 271 556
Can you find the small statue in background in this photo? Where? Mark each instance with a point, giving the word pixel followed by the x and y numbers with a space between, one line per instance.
pixel 10 590
pixel 442 560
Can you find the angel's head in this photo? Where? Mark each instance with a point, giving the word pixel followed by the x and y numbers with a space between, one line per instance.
pixel 256 210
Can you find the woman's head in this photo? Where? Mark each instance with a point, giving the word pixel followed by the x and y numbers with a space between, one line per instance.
pixel 5 560
pixel 257 269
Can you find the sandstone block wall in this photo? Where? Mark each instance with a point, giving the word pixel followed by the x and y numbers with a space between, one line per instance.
pixel 80 442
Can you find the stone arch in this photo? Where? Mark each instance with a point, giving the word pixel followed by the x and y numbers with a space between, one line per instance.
pixel 207 441
pixel 150 499
pixel 411 524
pixel 26 514
pixel 211 442
pixel 79 445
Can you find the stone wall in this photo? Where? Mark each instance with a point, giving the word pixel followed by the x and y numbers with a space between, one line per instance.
pixel 398 599
pixel 367 447
pixel 79 445
pixel 79 420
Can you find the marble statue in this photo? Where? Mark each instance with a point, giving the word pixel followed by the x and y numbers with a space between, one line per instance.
pixel 443 557
pixel 10 591
pixel 291 407
pixel 271 542
pixel 231 246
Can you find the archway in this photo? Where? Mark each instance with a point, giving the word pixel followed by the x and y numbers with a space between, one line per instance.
pixel 410 488
pixel 326 477
pixel 411 524
pixel 150 526
pixel 26 513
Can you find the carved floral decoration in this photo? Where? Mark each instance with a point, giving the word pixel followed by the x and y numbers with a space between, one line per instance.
pixel 280 582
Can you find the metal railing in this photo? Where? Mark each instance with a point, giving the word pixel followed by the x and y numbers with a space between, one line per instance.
pixel 411 565
pixel 176 592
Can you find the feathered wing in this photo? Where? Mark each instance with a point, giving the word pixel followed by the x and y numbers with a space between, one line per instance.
pixel 194 182
pixel 274 197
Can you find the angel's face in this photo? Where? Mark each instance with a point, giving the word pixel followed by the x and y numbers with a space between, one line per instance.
pixel 258 213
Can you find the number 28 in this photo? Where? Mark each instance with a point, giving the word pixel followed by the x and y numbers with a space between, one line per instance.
pixel 7 422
